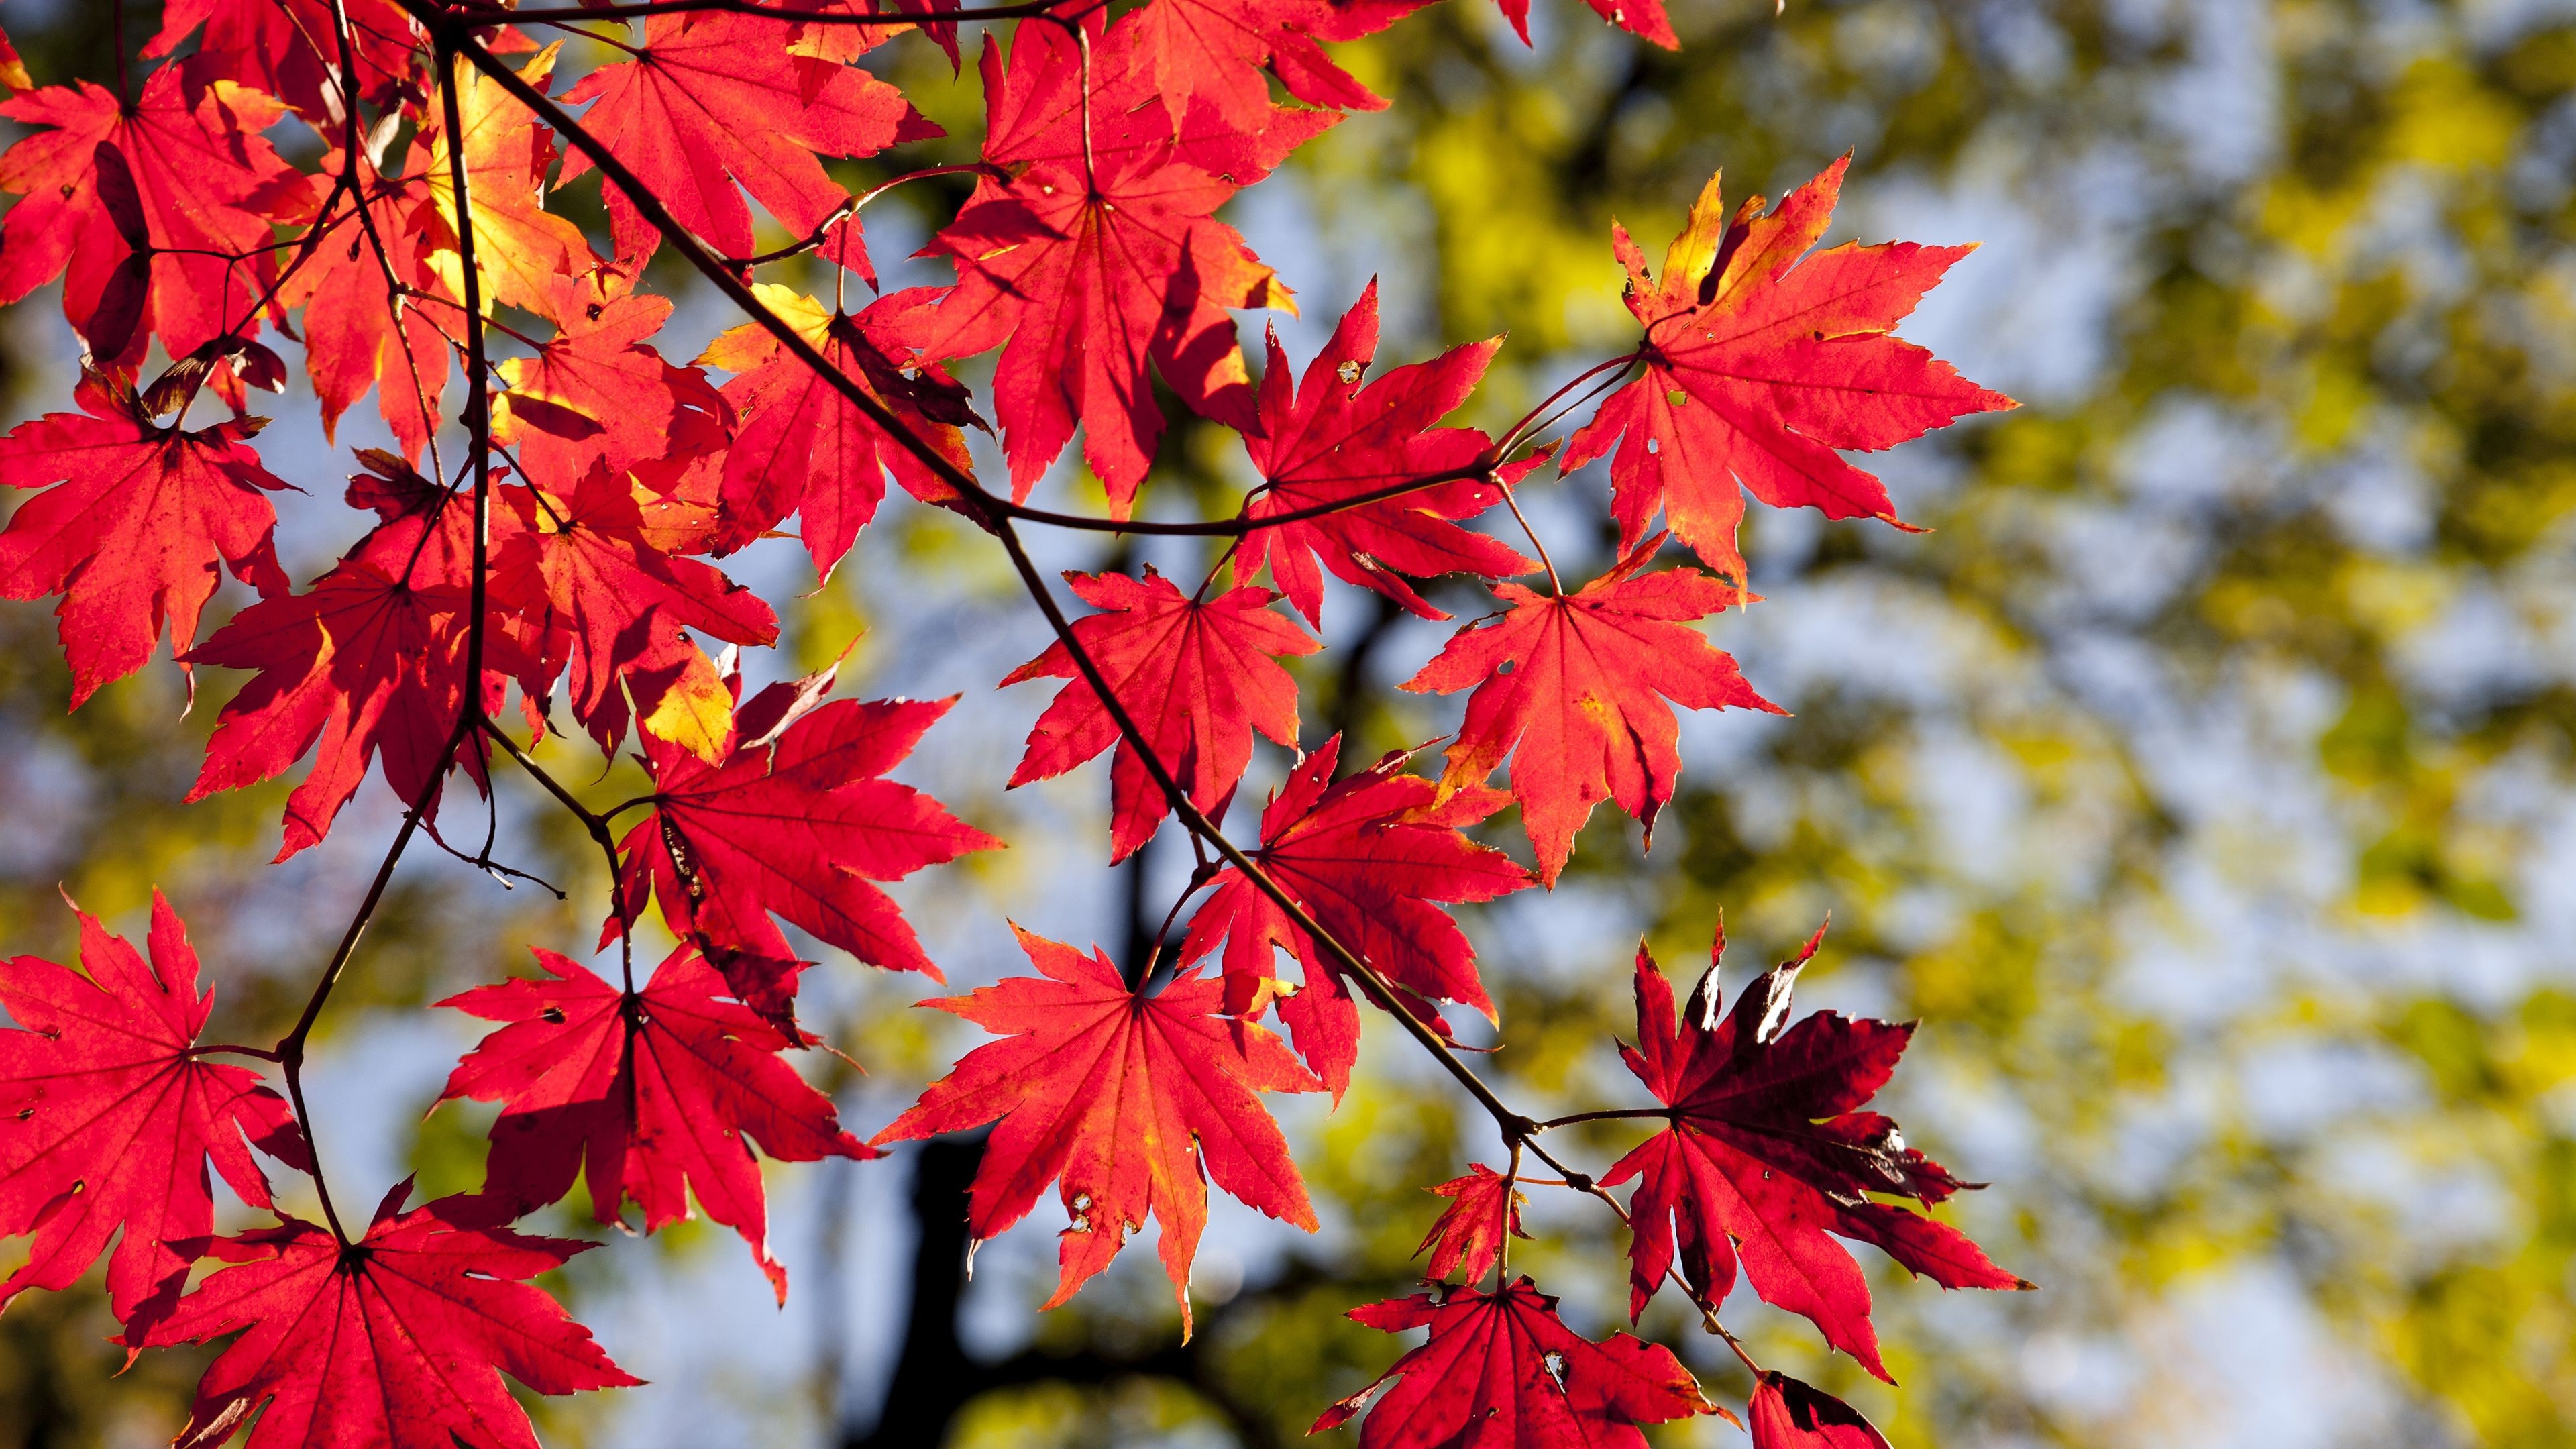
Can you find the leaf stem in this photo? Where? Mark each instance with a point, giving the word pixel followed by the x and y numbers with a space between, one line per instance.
pixel 1611 1115
pixel 850 208
pixel 1555 585
pixel 266 1054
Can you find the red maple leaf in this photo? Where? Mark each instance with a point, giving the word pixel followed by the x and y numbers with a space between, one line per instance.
pixel 108 1117
pixel 368 662
pixel 1128 1100
pixel 804 448
pixel 1573 689
pixel 1759 365
pixel 1326 440
pixel 357 330
pixel 1197 679
pixel 1502 1370
pixel 1468 1239
pixel 1085 274
pixel 1370 858
pixel 1767 1154
pixel 288 48
pixel 1788 1414
pixel 797 819
pixel 524 253
pixel 131 535
pixel 602 599
pixel 710 100
pixel 1214 52
pixel 398 1340
pixel 596 394
pixel 654 1093
pixel 1642 18
pixel 183 171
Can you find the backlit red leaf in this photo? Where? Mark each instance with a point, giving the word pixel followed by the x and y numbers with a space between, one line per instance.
pixel 203 185
pixel 368 662
pixel 656 1094
pixel 358 333
pixel 591 586
pixel 1197 678
pixel 596 394
pixel 130 534
pixel 108 1119
pixel 1484 1207
pixel 711 100
pixel 288 47
pixel 1086 280
pixel 1371 858
pixel 804 448
pixel 1502 1371
pixel 1759 365
pixel 398 1340
pixel 1326 439
pixel 798 825
pixel 1788 1414
pixel 1213 53
pixel 1578 692
pixel 1127 1100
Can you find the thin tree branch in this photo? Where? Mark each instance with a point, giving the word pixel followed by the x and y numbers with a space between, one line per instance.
pixel 1000 518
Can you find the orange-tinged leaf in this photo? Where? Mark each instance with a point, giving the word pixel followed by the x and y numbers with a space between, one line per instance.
pixel 1760 362
pixel 521 249
pixel 606 607
pixel 1197 678
pixel 1484 1207
pixel 1127 1100
pixel 1574 690
pixel 130 532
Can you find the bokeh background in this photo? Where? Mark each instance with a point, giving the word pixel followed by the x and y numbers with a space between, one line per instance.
pixel 2202 781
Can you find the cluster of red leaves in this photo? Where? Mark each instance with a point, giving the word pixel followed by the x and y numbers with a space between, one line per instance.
pixel 566 555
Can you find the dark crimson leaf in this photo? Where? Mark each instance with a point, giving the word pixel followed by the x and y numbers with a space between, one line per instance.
pixel 1768 1155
